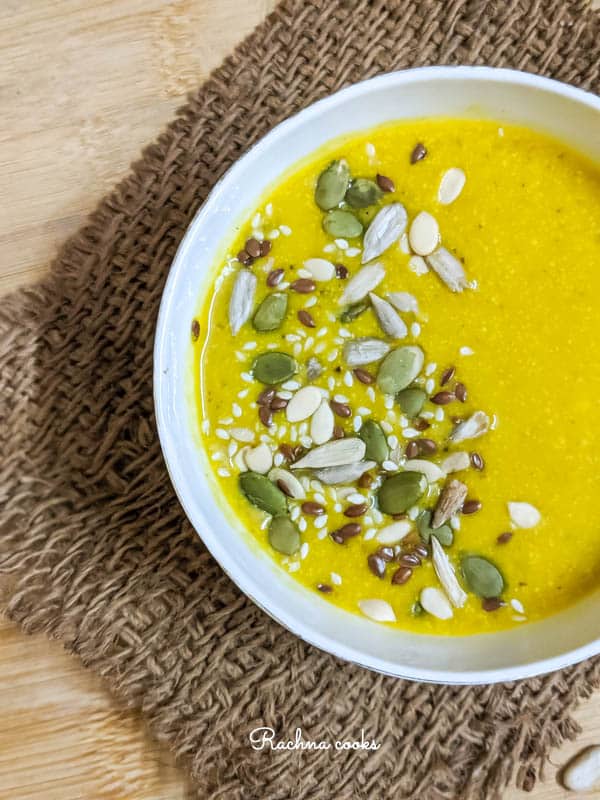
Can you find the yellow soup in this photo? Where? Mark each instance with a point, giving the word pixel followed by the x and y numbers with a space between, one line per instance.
pixel 408 423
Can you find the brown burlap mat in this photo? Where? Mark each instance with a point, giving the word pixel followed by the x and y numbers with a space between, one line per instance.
pixel 95 550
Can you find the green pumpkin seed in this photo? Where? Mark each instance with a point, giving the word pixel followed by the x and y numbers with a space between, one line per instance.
pixel 332 184
pixel 263 494
pixel 342 224
pixel 400 492
pixel 411 401
pixel 363 192
pixel 483 578
pixel 350 313
pixel 284 536
pixel 270 313
pixel 374 438
pixel 274 367
pixel 443 534
pixel 399 368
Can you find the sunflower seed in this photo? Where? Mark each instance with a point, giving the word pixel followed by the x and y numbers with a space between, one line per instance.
pixel 451 185
pixel 448 268
pixel 377 610
pixel 364 350
pixel 395 532
pixel 387 227
pixel 403 301
pixel 431 471
pixel 524 515
pixel 446 575
pixel 322 423
pixel 303 404
pixel 449 502
pixel 320 269
pixel 456 462
pixel 242 299
pixel 399 368
pixel 363 282
pixel 293 487
pixel 476 425
pixel 332 185
pixel 242 434
pixel 435 603
pixel 424 234
pixel 347 473
pixel 333 454
pixel 259 459
pixel 389 320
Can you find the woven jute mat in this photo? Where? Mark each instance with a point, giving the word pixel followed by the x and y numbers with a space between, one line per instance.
pixel 95 550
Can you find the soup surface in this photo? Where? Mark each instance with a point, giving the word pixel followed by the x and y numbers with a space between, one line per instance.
pixel 397 375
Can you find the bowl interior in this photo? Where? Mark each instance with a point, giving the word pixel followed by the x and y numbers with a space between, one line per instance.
pixel 504 95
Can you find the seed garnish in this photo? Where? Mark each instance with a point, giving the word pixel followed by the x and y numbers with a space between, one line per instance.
pixel 325 588
pixel 363 376
pixel 492 603
pixel 385 184
pixel 303 285
pixel 356 510
pixel 341 271
pixel 402 576
pixel 376 565
pixel 477 461
pixel 312 509
pixel 418 153
pixel 471 506
pixel 275 277
pixel 460 390
pixel 306 318
pixel 348 531
pixel 443 398
pixel 505 537
pixel 340 409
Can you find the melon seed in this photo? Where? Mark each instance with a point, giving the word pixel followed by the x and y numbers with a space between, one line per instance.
pixel 332 184
pixel 263 494
pixel 400 492
pixel 273 367
pixel 270 313
pixel 284 535
pixel 399 368
pixel 374 438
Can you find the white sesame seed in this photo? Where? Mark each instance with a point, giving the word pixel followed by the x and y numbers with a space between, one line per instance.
pixel 369 534
pixel 466 351
pixel 371 393
pixel 304 550
pixel 283 286
pixel 415 329
pixel 322 533
pixel 226 421
pixel 304 273
pixel 240 356
pixel 500 131
pixel 455 523
pixel 357 423
pixel 285 229
pixel 320 522
pixel 236 410
pixel 403 421
pixel 388 401
pixel 517 605
pixel 232 449
pixel 377 515
pixel 519 619
pixel 282 431
pixel 335 579
pixel 310 302
pixel 306 441
pixel 331 383
pixel 338 340
pixel 329 248
pixel 205 427
pixel 389 466
pixel 429 385
pixel 303 428
pixel 353 251
pixel 409 433
pixel 439 414
pixel 309 343
pixel 413 512
pixel 245 376
pixel 363 411
pixel 290 386
pixel 274 234
pixel 269 209
pixel 392 441
pixel 427 414
pixel 337 507
pixel 302 525
pixel 264 437
pixel 348 379
pixel 293 435
pixel 249 346
pixel 370 150
pixel 217 456
pixel 320 498
pixel 278 459
pixel 321 332
pixel 386 426
pixel 221 434
pixel 284 395
pixel 297 349
pixel 223 473
pixel 256 220
pixel 345 333
pixel 341 243
pixel 340 398
pixel 404 245
pixel 316 485
pixel 292 337
pixel 305 481
pixel 332 356
pixel 320 348
pixel 355 497
pixel 430 368
pixel 294 566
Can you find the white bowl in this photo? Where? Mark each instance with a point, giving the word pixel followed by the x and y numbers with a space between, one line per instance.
pixel 505 95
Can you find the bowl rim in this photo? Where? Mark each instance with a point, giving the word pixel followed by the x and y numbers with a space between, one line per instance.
pixel 245 581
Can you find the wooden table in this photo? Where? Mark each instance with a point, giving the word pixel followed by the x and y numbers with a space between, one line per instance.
pixel 83 87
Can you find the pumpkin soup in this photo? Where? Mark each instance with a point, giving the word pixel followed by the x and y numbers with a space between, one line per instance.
pixel 397 375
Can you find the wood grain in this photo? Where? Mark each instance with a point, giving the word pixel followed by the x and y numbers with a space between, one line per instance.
pixel 83 86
